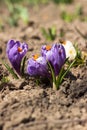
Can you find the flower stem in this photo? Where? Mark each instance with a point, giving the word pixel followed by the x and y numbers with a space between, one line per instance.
pixel 54 86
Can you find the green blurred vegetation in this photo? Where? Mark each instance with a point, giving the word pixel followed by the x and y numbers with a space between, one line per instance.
pixel 63 1
pixel 33 2
pixel 77 14
pixel 50 33
pixel 18 11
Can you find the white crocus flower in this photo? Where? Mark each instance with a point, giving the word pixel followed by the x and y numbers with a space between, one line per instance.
pixel 70 50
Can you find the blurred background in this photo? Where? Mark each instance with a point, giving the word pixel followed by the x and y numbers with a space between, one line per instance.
pixel 13 11
pixel 43 21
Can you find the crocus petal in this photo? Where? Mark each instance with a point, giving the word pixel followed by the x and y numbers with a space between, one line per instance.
pixel 10 44
pixel 70 50
pixel 14 55
pixel 56 56
pixel 37 67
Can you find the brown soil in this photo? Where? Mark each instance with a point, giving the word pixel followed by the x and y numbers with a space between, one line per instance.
pixel 24 105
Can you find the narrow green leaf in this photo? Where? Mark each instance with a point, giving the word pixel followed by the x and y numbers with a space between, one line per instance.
pixel 49 34
pixel 52 33
pixel 44 32
pixel 68 69
pixel 11 71
pixel 23 65
pixel 52 72
pixel 58 80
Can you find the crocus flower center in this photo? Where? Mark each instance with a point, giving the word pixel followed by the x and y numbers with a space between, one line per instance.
pixel 35 56
pixel 71 52
pixel 19 49
pixel 48 47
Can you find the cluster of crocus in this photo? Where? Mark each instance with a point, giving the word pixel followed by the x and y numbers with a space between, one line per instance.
pixel 50 62
pixel 15 52
pixel 54 55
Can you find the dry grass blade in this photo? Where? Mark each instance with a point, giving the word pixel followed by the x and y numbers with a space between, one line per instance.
pixel 81 34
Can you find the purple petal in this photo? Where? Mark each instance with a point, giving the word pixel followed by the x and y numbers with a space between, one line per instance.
pixel 14 56
pixel 10 44
pixel 37 67
pixel 56 56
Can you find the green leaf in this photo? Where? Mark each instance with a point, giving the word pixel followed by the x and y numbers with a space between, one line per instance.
pixel 67 17
pixel 23 66
pixel 63 1
pixel 79 10
pixel 53 74
pixel 58 79
pixel 68 69
pixel 45 34
pixel 50 33
pixel 11 71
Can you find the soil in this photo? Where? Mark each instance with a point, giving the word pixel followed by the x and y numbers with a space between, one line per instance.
pixel 24 105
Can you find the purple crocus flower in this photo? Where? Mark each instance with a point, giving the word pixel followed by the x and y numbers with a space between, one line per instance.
pixel 55 55
pixel 37 66
pixel 15 52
